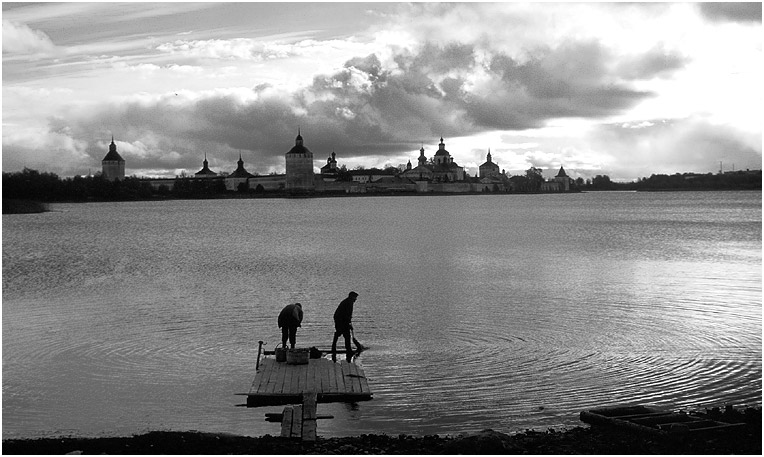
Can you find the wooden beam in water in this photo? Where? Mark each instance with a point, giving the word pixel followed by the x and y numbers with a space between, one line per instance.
pixel 286 421
pixel 309 416
pixel 297 422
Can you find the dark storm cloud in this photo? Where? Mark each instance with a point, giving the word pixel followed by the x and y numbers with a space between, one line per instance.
pixel 364 110
pixel 574 80
pixel 732 12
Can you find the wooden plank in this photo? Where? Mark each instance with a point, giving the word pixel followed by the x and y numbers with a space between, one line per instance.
pixel 351 382
pixel 261 377
pixel 318 369
pixel 355 378
pixel 309 385
pixel 309 416
pixel 286 422
pixel 305 377
pixel 280 374
pixel 309 406
pixel 316 373
pixel 297 378
pixel 329 386
pixel 339 378
pixel 346 385
pixel 309 430
pixel 288 378
pixel 364 381
pixel 270 387
pixel 297 422
pixel 330 377
pixel 267 368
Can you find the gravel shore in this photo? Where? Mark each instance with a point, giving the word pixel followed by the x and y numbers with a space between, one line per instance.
pixel 744 440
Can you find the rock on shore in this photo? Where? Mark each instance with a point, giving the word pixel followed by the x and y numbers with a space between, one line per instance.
pixel 579 440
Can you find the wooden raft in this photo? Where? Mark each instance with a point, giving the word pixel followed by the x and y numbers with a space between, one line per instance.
pixel 278 383
pixel 653 420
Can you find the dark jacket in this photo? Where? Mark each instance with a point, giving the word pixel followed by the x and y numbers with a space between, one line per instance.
pixel 290 316
pixel 344 313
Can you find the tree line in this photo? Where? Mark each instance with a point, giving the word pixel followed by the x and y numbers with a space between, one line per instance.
pixel 33 185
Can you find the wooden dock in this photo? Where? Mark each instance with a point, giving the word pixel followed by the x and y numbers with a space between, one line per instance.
pixel 278 383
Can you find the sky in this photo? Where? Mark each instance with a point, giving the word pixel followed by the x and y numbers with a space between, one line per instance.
pixel 625 90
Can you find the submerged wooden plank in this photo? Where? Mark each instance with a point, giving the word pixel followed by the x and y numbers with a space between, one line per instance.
pixel 309 416
pixel 286 422
pixel 297 422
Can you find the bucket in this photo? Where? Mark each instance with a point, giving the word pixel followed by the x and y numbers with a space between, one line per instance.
pixel 297 356
pixel 281 354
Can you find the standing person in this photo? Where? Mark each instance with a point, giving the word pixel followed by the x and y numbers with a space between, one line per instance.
pixel 289 319
pixel 342 326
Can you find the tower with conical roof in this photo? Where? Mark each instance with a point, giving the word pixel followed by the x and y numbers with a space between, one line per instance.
pixel 205 172
pixel 563 179
pixel 113 165
pixel 299 166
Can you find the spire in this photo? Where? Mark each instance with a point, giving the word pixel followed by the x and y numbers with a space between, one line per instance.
pixel 488 157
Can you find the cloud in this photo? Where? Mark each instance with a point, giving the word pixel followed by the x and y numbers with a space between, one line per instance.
pixel 20 39
pixel 368 110
pixel 731 11
pixel 663 146
pixel 45 149
pixel 427 72
pixel 234 49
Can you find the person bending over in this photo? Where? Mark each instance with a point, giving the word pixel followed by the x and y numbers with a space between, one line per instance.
pixel 289 319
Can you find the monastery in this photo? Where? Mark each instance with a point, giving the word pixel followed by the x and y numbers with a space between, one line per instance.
pixel 440 174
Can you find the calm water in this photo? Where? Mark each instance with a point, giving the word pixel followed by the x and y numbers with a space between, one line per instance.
pixel 504 312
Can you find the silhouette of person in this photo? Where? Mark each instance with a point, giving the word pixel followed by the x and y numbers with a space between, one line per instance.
pixel 289 319
pixel 342 326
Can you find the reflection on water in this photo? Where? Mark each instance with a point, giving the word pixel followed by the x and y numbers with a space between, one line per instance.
pixel 505 312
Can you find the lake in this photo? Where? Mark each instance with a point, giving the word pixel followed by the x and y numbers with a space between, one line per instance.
pixel 480 311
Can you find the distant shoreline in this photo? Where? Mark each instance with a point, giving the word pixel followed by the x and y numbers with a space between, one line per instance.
pixel 15 206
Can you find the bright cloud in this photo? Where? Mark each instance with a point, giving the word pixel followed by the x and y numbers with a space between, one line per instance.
pixel 21 39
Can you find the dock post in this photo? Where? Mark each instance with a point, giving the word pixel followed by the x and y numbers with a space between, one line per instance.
pixel 259 350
